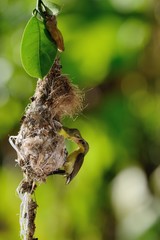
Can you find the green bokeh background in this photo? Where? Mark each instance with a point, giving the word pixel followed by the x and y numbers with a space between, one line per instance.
pixel 112 51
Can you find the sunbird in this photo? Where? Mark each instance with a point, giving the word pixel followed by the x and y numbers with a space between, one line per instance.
pixel 75 160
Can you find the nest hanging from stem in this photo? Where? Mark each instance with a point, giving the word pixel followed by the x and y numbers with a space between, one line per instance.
pixel 40 149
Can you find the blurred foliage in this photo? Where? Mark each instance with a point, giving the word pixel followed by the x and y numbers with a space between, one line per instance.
pixel 113 53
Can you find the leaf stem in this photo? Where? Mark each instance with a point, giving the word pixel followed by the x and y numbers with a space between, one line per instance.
pixel 39 7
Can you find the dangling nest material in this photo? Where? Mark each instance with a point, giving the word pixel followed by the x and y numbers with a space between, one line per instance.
pixel 40 149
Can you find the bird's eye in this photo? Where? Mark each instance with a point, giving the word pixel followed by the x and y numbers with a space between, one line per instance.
pixel 82 142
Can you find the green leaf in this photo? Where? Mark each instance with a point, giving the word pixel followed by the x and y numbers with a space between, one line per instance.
pixel 38 50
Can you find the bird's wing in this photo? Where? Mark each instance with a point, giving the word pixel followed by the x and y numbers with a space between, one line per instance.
pixel 77 166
